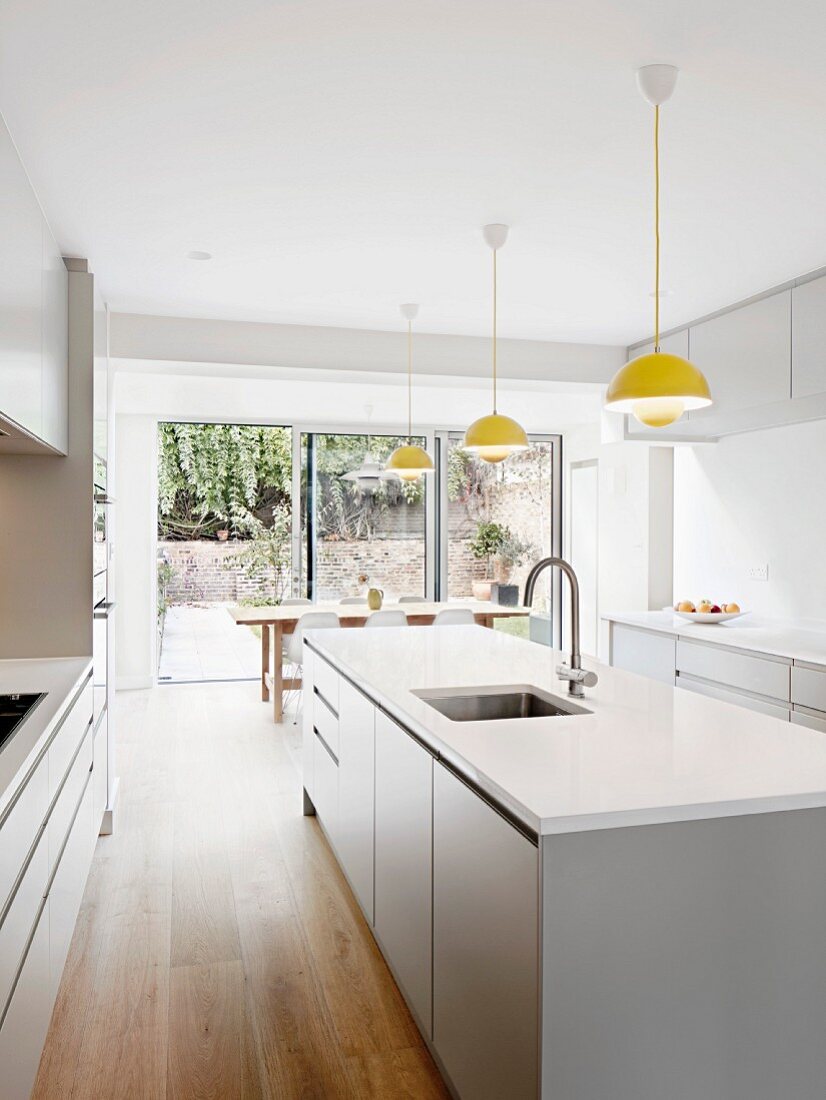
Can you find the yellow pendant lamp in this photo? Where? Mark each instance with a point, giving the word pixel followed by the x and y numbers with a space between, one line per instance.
pixel 495 436
pixel 659 387
pixel 409 461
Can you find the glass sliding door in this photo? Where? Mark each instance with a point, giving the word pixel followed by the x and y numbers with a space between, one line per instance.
pixel 359 528
pixel 496 521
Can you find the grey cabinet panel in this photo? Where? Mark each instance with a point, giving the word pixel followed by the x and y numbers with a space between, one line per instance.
pixel 485 946
pixel 809 338
pixel 404 881
pixel 809 687
pixel 745 355
pixel 644 652
pixel 356 776
pixel 742 671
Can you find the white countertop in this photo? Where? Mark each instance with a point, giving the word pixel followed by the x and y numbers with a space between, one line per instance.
pixel 800 640
pixel 60 678
pixel 648 753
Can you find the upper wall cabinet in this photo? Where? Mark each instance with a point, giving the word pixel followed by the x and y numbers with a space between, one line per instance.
pixel 745 355
pixel 809 338
pixel 765 363
pixel 33 318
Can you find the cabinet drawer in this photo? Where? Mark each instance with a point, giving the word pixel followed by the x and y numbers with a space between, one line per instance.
pixel 812 719
pixel 19 830
pixel 20 918
pixel 643 652
pixel 60 819
pixel 809 688
pixel 326 788
pixel 326 723
pixel 68 884
pixel 24 1028
pixel 727 695
pixel 69 736
pixel 325 681
pixel 736 670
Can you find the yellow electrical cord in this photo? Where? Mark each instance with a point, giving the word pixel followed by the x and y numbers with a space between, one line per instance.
pixel 657 227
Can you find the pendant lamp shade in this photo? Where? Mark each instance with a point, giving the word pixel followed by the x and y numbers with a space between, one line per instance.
pixel 494 437
pixel 409 461
pixel 657 388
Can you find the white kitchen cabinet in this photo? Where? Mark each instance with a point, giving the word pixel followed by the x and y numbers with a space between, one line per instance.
pixel 742 671
pixel 403 873
pixel 23 1031
pixel 63 811
pixel 101 772
pixel 325 682
pixel 55 345
pixel 66 890
pixel 21 270
pixel 356 778
pixel 307 722
pixel 325 773
pixel 811 719
pixel 326 722
pixel 745 355
pixel 738 698
pixel 809 338
pixel 809 687
pixel 20 917
pixel 644 652
pixel 485 946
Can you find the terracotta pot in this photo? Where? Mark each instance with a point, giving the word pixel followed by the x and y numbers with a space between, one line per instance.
pixel 481 589
pixel 223 535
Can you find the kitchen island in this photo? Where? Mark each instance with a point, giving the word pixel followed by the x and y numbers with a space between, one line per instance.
pixel 625 904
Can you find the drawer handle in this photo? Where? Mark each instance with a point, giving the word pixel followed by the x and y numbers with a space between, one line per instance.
pixel 330 752
pixel 329 707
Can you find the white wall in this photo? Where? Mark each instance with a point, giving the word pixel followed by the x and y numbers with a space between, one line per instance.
pixel 136 508
pixel 752 500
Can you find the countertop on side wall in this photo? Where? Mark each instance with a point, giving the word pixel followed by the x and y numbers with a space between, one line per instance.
pixel 647 753
pixel 61 678
pixel 799 640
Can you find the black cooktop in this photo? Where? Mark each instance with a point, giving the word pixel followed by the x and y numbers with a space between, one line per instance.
pixel 13 709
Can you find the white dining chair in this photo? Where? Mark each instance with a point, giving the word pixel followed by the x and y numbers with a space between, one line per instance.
pixel 454 616
pixel 310 620
pixel 411 599
pixel 353 599
pixel 387 618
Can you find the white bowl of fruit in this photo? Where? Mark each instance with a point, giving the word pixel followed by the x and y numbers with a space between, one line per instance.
pixel 707 612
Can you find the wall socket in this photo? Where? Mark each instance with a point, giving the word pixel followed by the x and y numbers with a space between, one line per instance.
pixel 758 573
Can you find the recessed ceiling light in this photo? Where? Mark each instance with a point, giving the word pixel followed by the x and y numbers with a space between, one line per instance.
pixel 196 255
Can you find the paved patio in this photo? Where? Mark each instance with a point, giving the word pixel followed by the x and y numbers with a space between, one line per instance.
pixel 203 643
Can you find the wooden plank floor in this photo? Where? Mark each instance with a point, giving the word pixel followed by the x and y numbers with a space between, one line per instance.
pixel 219 952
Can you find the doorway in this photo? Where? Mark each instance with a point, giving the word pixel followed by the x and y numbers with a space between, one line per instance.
pixel 223 538
pixel 584 547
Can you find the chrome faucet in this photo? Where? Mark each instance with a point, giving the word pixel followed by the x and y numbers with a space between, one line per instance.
pixel 578 678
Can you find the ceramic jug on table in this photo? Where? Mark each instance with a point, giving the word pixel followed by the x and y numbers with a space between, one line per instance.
pixel 374 598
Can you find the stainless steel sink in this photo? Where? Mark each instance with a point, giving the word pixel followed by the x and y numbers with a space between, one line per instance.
pixel 488 704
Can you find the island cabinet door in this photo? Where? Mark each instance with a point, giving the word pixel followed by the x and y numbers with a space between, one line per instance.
pixel 356 777
pixel 485 946
pixel 645 652
pixel 404 864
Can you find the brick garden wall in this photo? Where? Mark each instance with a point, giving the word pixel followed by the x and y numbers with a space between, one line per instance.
pixel 394 560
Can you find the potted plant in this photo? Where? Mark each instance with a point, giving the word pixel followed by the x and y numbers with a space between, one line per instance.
pixel 222 534
pixel 501 550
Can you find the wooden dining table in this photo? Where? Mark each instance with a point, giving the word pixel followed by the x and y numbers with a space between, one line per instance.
pixel 275 622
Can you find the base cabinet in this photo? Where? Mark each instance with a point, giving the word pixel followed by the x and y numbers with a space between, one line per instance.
pixel 644 652
pixel 23 1030
pixel 404 837
pixel 485 946
pixel 356 778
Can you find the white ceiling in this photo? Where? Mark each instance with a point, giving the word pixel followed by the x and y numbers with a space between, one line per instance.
pixel 338 157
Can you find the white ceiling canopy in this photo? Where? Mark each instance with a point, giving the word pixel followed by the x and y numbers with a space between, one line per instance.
pixel 335 158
